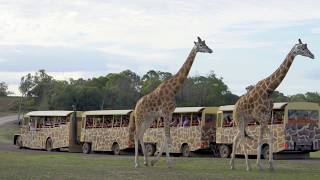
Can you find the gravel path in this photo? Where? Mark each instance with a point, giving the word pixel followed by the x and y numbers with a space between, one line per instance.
pixel 6 119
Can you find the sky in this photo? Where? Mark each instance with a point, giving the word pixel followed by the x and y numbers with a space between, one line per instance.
pixel 91 38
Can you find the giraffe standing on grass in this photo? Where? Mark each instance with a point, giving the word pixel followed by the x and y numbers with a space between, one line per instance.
pixel 161 103
pixel 257 105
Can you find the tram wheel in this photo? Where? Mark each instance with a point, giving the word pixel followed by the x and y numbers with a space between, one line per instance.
pixel 86 148
pixel 49 144
pixel 224 151
pixel 115 149
pixel 265 152
pixel 185 150
pixel 150 149
pixel 19 142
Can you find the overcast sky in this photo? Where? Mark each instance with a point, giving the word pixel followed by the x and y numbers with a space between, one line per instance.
pixel 90 38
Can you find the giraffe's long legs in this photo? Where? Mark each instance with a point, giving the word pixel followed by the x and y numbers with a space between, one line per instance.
pixel 145 155
pixel 245 150
pixel 234 148
pixel 261 130
pixel 270 149
pixel 136 151
pixel 166 142
pixel 167 151
pixel 156 159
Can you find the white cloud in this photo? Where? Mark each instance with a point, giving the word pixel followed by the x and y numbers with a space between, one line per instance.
pixel 158 24
pixel 315 30
pixel 2 60
pixel 149 31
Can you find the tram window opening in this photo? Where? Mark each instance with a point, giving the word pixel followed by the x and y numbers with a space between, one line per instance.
pixel 57 121
pixel 107 123
pixel 89 122
pixel 278 117
pixel 186 120
pixel 32 124
pixel 303 116
pixel 196 119
pixel 227 119
pixel 97 122
pixel 63 120
pixel 175 120
pixel 154 124
pixel 161 123
pixel 40 122
pixel 117 121
pixel 125 121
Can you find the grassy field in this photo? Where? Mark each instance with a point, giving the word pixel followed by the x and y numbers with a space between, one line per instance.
pixel 32 164
pixel 42 165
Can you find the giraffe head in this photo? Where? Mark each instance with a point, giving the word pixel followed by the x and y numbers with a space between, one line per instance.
pixel 302 49
pixel 202 47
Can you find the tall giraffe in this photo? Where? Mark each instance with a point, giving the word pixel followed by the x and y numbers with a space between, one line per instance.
pixel 257 105
pixel 161 103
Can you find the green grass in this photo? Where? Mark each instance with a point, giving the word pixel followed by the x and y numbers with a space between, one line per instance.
pixel 7 131
pixel 39 165
pixel 315 154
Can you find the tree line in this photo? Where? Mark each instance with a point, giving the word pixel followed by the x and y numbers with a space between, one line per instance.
pixel 122 90
pixel 117 91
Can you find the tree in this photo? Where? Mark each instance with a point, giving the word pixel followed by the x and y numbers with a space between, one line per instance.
pixel 122 89
pixel 205 91
pixel 312 97
pixel 279 97
pixel 3 89
pixel 298 98
pixel 152 79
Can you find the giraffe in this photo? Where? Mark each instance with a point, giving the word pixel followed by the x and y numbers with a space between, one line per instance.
pixel 257 105
pixel 161 103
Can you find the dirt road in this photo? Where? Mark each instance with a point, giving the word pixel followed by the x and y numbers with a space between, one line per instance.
pixel 6 119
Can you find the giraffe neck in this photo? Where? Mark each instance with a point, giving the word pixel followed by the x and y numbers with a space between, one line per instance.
pixel 274 80
pixel 183 72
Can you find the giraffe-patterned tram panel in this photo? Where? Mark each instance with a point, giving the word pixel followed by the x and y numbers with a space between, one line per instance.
pixel 106 130
pixel 191 127
pixel 295 127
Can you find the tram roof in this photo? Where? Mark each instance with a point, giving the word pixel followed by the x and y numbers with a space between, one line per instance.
pixel 279 105
pixel 226 108
pixel 188 109
pixel 48 113
pixel 108 112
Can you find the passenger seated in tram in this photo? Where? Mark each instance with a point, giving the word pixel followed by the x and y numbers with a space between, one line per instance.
pixel 174 122
pixel 154 124
pixel 125 122
pixel 116 122
pixel 228 122
pixel 89 122
pixel 107 123
pixel 97 123
pixel 186 122
pixel 196 120
pixel 161 122
pixel 32 126
pixel 277 117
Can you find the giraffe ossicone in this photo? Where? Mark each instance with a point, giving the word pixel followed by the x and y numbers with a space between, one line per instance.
pixel 160 103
